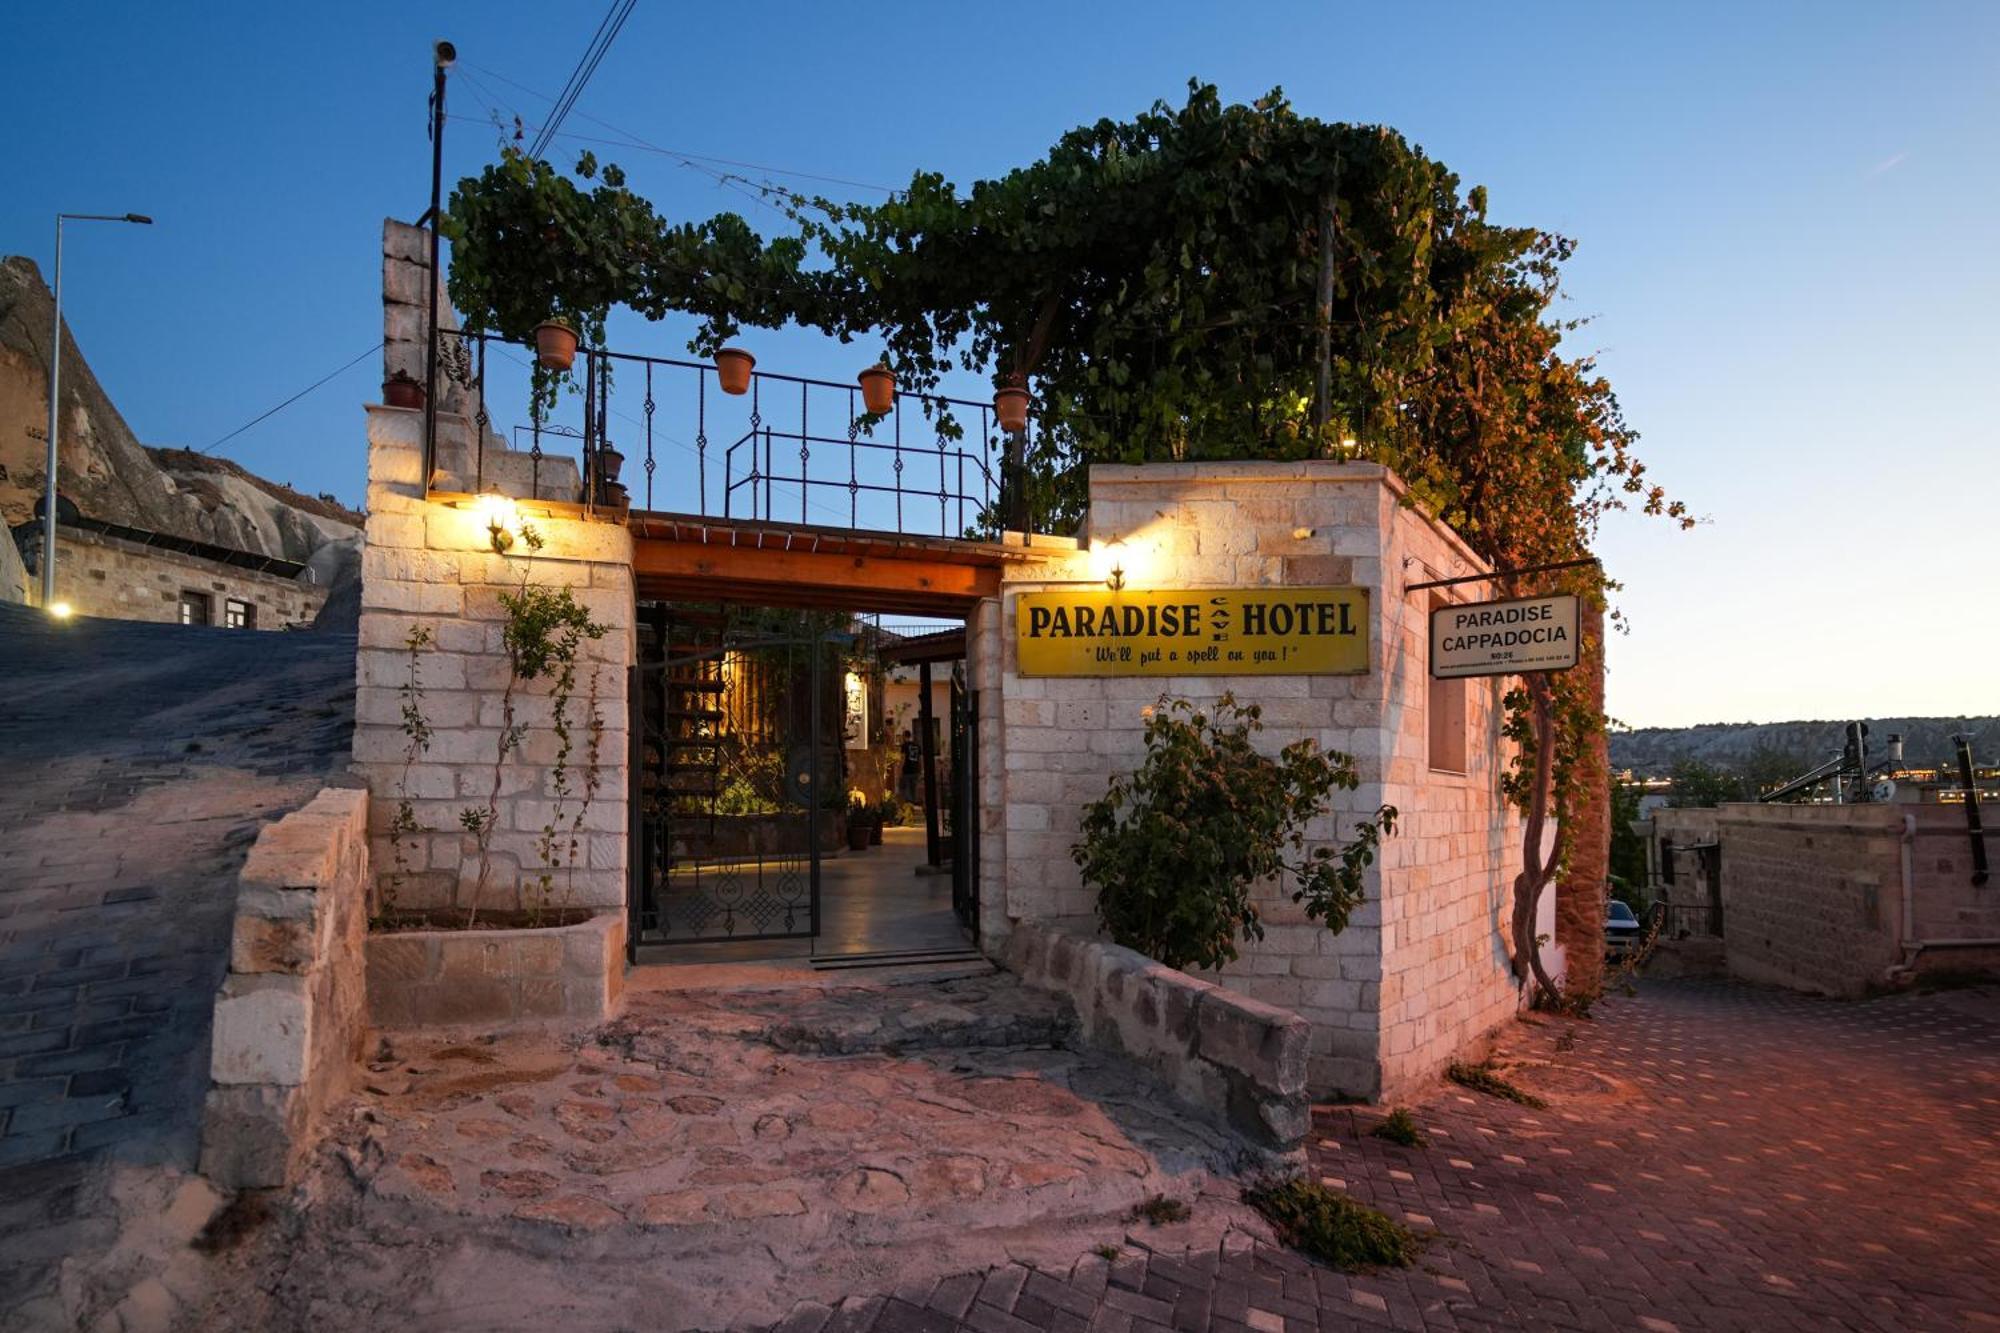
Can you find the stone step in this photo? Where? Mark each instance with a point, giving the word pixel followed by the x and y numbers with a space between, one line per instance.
pixel 972 1013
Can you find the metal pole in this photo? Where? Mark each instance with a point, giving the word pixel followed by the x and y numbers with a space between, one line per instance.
pixel 55 417
pixel 926 723
pixel 1323 381
pixel 1973 828
pixel 442 54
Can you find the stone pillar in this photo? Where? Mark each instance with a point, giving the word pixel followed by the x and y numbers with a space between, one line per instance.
pixel 1580 893
pixel 428 564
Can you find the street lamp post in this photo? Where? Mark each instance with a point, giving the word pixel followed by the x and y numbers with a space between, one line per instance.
pixel 55 402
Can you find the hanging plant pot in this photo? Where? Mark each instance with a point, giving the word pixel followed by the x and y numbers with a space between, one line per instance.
pixel 1011 406
pixel 609 461
pixel 878 389
pixel 399 390
pixel 555 345
pixel 732 367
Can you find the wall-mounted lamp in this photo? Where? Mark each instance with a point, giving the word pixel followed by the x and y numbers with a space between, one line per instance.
pixel 500 518
pixel 1114 553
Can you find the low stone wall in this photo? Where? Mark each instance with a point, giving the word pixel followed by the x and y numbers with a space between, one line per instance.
pixel 289 1019
pixel 1236 1059
pixel 422 978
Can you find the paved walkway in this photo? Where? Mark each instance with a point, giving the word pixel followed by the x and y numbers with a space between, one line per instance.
pixel 136 764
pixel 711 1157
pixel 1712 1157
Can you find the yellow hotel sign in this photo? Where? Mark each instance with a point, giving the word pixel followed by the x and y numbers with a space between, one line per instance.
pixel 1193 632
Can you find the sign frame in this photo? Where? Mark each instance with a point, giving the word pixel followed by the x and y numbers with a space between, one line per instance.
pixel 1566 612
pixel 1222 649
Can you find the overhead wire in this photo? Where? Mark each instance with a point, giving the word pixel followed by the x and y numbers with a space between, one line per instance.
pixel 686 157
pixel 593 56
pixel 331 375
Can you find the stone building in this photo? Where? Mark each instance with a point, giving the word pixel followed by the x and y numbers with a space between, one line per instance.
pixel 125 573
pixel 1829 899
pixel 1421 974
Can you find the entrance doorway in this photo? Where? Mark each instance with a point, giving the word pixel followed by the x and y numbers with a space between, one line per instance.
pixel 774 816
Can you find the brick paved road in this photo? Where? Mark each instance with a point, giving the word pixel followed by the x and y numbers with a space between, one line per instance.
pixel 136 763
pixel 1751 1160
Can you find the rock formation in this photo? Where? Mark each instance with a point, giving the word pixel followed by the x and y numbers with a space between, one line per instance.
pixel 112 477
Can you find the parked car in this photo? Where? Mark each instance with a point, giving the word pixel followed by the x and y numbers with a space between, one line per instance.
pixel 1622 931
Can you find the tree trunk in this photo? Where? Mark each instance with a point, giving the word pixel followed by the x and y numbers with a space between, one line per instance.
pixel 1535 867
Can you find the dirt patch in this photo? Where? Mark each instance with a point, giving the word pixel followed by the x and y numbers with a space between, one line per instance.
pixel 1558 1083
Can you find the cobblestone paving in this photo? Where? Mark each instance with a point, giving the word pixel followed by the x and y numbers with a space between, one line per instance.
pixel 1712 1157
pixel 712 1156
pixel 136 763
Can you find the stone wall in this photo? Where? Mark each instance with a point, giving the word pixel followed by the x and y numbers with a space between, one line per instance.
pixel 289 1019
pixel 1947 905
pixel 470 455
pixel 15 586
pixel 1422 969
pixel 102 575
pixel 1813 895
pixel 1241 1062
pixel 426 978
pixel 430 565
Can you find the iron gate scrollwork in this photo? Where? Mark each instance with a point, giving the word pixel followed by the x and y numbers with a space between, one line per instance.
pixel 735 767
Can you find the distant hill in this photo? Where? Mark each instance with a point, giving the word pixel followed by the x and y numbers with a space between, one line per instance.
pixel 1653 751
pixel 111 476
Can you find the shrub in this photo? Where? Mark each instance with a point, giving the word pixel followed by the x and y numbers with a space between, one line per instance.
pixel 1333 1228
pixel 1400 1127
pixel 1175 849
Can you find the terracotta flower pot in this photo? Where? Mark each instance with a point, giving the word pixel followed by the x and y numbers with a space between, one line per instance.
pixel 1011 406
pixel 732 367
pixel 555 345
pixel 878 389
pixel 609 461
pixel 616 496
pixel 402 392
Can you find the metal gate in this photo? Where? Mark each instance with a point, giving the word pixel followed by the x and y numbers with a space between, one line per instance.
pixel 735 772
pixel 965 805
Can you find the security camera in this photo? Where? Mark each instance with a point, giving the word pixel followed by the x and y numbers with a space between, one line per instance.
pixel 445 53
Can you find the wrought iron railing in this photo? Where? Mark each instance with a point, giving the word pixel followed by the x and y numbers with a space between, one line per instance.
pixel 789 449
pixel 1681 921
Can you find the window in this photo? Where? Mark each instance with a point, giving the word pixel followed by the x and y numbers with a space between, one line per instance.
pixel 1447 720
pixel 239 615
pixel 194 608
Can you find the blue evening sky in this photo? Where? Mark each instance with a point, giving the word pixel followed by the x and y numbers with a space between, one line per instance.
pixel 1786 216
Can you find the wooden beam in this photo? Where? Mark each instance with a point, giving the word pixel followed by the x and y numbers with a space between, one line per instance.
pixel 915 585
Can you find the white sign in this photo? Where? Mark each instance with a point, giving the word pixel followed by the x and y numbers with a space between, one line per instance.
pixel 1504 638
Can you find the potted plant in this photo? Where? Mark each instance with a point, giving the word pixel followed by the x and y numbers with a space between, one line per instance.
pixel 555 343
pixel 403 389
pixel 857 823
pixel 615 496
pixel 733 366
pixel 609 461
pixel 1010 404
pixel 878 388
